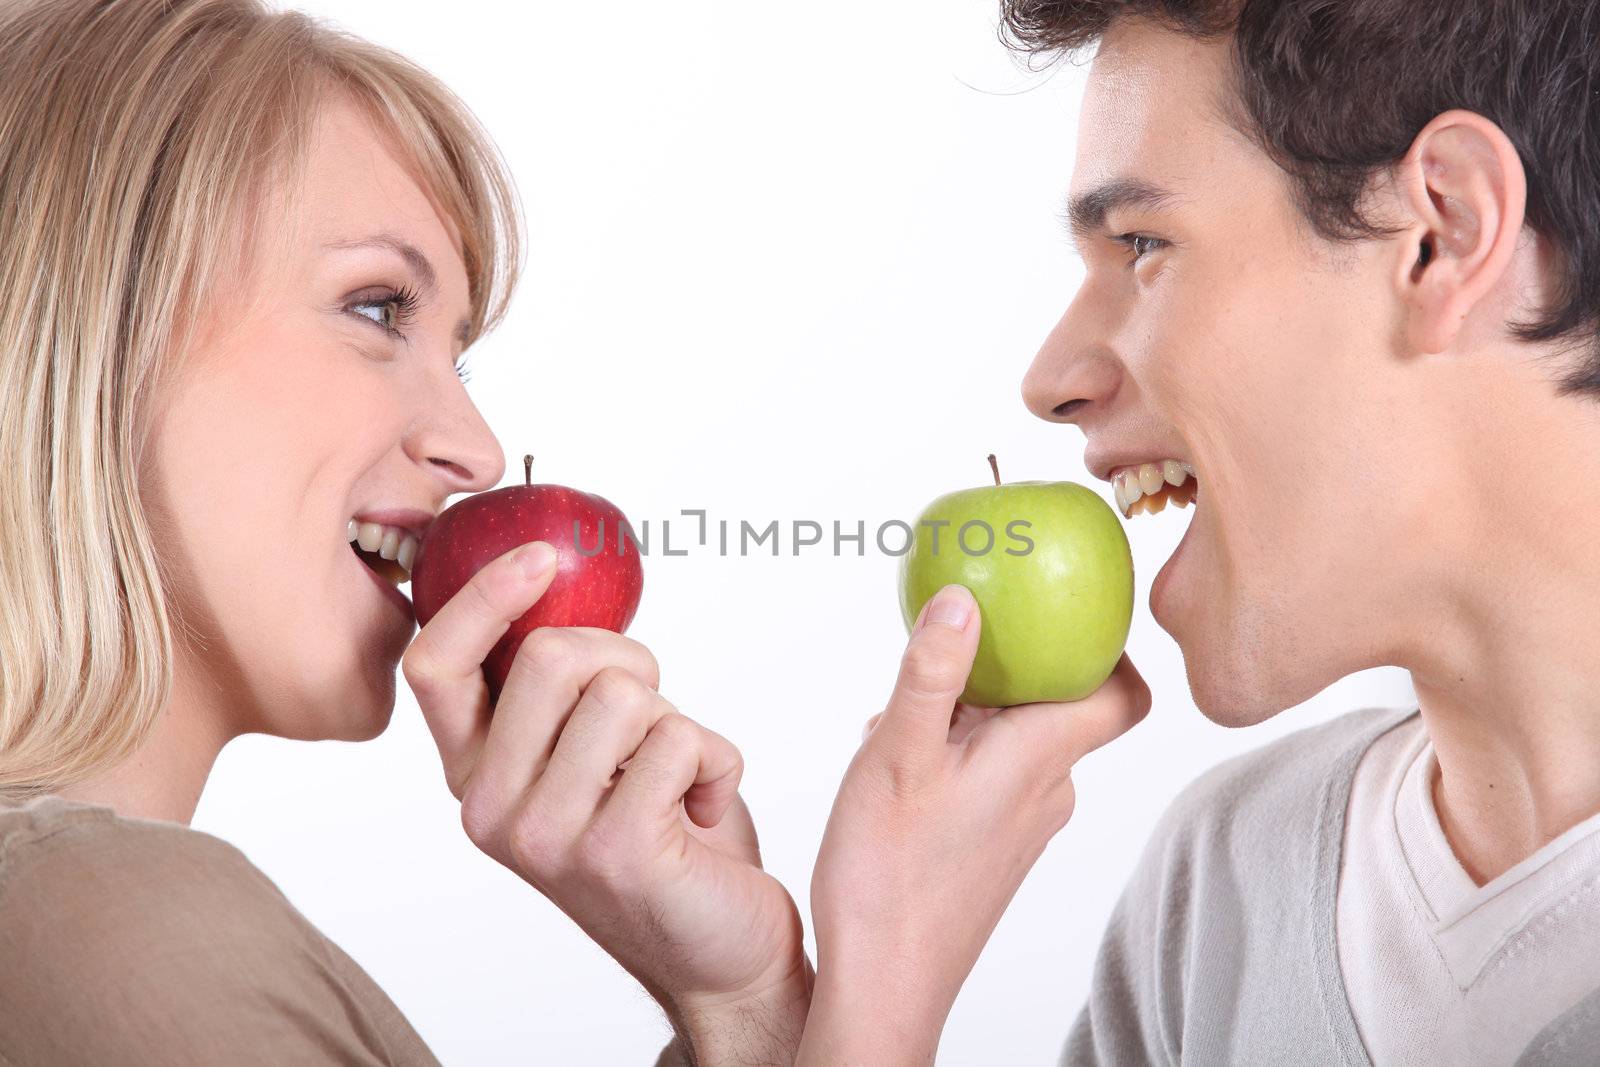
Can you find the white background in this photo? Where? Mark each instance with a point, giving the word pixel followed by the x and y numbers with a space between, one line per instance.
pixel 787 261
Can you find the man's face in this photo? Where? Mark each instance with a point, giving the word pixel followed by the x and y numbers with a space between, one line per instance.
pixel 1234 339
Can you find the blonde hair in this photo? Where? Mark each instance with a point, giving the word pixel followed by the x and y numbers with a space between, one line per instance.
pixel 134 134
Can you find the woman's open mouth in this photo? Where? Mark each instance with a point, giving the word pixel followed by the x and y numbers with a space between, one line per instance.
pixel 385 553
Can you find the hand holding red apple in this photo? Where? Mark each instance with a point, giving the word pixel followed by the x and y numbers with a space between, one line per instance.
pixel 598 574
pixel 593 788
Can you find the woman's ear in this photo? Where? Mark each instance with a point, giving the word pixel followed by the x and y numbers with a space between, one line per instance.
pixel 1464 195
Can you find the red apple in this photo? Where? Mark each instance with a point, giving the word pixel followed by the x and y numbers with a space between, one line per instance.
pixel 598 585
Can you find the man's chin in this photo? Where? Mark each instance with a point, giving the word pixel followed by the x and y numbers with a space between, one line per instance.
pixel 1226 698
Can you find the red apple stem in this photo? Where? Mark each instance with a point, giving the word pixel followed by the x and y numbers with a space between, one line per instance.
pixel 994 467
pixel 527 470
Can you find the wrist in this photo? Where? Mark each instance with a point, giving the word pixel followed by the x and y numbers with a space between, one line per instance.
pixel 753 1027
pixel 872 1015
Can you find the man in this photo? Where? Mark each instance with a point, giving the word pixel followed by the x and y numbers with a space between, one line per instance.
pixel 1343 261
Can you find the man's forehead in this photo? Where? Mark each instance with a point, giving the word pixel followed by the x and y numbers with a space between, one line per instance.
pixel 1150 107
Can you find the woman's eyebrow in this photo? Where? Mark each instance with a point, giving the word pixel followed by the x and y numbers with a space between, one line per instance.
pixel 427 279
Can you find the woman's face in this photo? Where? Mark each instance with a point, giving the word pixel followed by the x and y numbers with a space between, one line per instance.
pixel 322 387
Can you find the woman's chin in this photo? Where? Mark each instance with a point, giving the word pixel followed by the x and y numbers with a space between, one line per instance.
pixel 368 728
pixel 360 715
pixel 364 720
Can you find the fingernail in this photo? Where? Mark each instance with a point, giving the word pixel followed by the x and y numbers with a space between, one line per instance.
pixel 534 559
pixel 950 606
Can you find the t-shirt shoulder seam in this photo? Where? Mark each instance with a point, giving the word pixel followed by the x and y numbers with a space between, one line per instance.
pixel 1217 791
pixel 86 821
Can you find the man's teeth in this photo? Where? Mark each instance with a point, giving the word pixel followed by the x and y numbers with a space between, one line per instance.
pixel 390 542
pixel 1149 486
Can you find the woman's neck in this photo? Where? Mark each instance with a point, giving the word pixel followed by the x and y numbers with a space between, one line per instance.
pixel 164 777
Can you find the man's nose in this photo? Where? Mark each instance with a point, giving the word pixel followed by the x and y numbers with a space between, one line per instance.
pixel 1075 373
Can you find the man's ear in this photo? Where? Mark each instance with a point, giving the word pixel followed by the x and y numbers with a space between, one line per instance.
pixel 1464 194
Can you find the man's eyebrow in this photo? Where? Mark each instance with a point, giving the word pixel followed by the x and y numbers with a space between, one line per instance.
pixel 1086 212
pixel 427 278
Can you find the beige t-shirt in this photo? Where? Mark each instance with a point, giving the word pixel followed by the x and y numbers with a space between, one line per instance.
pixel 132 941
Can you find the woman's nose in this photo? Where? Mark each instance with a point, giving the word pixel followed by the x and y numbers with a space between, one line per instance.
pixel 459 448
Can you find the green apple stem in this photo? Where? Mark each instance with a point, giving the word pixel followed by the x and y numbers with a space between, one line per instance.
pixel 994 467
pixel 527 470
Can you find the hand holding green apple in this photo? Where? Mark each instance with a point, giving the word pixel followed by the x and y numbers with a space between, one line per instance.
pixel 1051 570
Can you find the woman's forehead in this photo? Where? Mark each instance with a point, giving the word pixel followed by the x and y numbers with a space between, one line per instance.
pixel 356 181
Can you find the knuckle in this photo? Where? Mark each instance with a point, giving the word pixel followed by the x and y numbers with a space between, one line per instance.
pixel 903 781
pixel 417 668
pixel 1142 700
pixel 615 689
pixel 644 665
pixel 602 853
pixel 480 816
pixel 482 592
pixel 676 730
pixel 546 650
pixel 652 668
pixel 535 849
pixel 926 671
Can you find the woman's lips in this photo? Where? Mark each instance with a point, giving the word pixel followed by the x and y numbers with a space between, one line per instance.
pixel 390 591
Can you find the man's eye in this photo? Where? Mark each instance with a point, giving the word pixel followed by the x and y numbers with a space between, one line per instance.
pixel 1141 245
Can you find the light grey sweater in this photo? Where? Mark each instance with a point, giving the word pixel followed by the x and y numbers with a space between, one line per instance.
pixel 1221 949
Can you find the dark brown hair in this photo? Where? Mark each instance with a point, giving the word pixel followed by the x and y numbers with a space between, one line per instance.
pixel 1335 91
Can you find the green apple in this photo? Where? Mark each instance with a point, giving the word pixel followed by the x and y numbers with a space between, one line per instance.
pixel 1050 567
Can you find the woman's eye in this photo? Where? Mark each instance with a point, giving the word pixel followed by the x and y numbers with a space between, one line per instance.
pixel 389 311
pixel 378 313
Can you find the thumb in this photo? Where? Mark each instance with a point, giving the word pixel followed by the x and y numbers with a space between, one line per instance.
pixel 933 672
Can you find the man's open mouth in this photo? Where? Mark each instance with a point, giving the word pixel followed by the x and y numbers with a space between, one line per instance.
pixel 1150 487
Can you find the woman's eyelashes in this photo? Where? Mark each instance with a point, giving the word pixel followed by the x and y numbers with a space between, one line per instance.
pixel 391 310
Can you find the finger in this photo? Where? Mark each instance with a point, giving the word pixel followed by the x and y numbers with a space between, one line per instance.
pixel 554 668
pixel 1072 730
pixel 872 724
pixel 444 664
pixel 678 760
pixel 933 672
pixel 611 720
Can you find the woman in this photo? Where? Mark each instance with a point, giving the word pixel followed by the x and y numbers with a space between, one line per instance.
pixel 244 254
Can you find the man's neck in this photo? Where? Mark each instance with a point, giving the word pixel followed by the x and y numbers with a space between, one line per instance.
pixel 1508 675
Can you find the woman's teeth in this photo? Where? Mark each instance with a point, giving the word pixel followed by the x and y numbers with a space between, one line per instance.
pixel 388 542
pixel 1149 486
